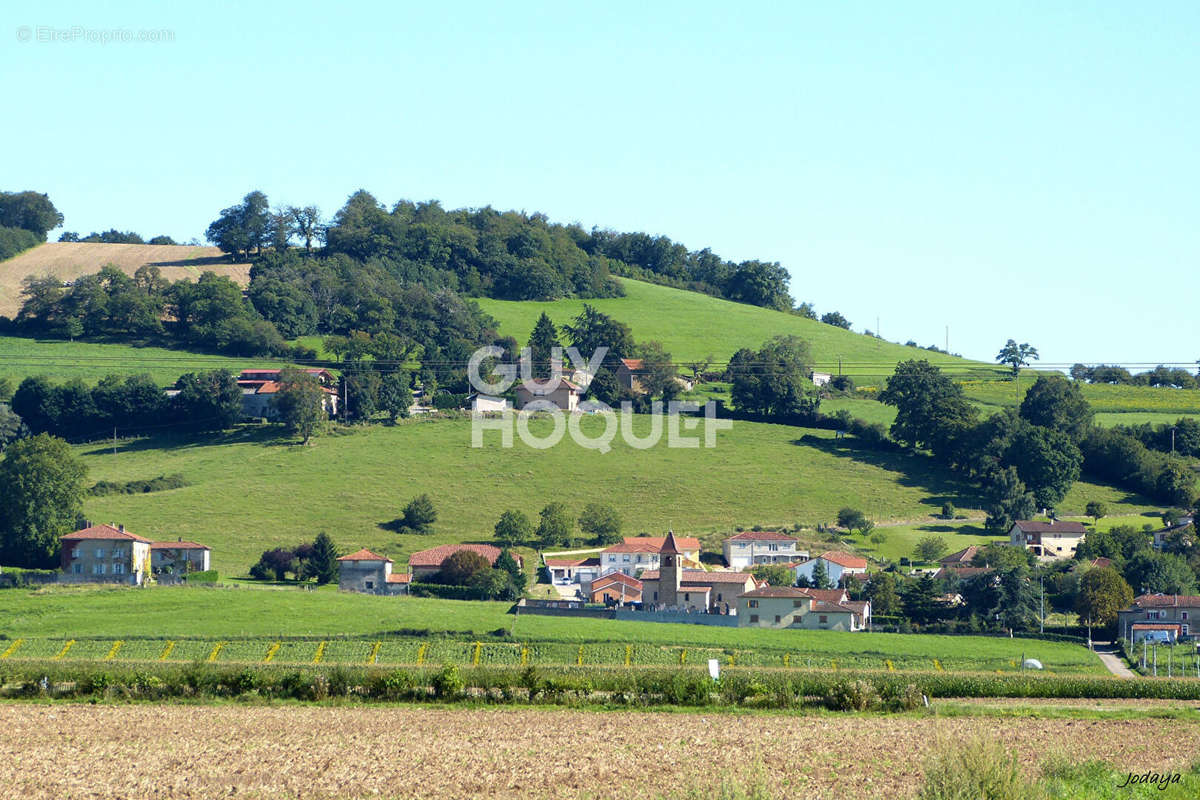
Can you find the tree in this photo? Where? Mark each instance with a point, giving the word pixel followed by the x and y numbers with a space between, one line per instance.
pixel 556 526
pixel 1150 572
pixel 920 601
pixel 322 563
pixel 541 343
pixel 242 228
pixel 275 563
pixel 419 515
pixel 773 574
pixel 208 400
pixel 881 591
pixel 507 564
pixel 11 426
pixel 395 394
pixel 851 519
pixel 774 381
pixel 299 402
pixel 305 224
pixel 513 528
pixel 593 329
pixel 31 211
pixel 461 566
pixel 1057 403
pixel 835 319
pixel 1017 355
pixel 820 576
pixel 1176 483
pixel 931 548
pixel 1009 501
pixel 657 374
pixel 1096 510
pixel 931 410
pixel 1047 461
pixel 602 522
pixel 41 483
pixel 1102 593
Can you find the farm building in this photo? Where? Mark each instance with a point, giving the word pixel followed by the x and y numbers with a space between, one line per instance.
pixel 749 548
pixel 486 404
pixel 105 554
pixel 429 562
pixel 367 572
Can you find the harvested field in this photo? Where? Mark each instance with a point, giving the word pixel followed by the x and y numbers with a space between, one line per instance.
pixel 69 260
pixel 143 751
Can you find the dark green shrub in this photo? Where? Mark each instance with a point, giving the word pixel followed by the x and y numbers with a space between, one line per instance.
pixel 447 684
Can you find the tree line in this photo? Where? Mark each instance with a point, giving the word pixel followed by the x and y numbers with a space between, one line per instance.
pixel 1176 377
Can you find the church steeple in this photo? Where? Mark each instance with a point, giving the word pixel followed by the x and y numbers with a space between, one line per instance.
pixel 670 574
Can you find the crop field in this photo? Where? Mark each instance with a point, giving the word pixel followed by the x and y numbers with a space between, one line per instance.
pixel 90 361
pixel 356 480
pixel 70 260
pixel 692 326
pixel 1104 398
pixel 250 622
pixel 255 751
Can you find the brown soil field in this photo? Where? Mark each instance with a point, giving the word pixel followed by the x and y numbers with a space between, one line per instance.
pixel 70 260
pixel 172 751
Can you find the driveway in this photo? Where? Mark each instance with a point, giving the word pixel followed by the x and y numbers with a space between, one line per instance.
pixel 1107 652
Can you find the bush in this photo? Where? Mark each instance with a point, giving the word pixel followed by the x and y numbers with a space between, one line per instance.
pixel 978 770
pixel 447 684
pixel 852 695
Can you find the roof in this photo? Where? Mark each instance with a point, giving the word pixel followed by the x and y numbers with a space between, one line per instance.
pixel 834 608
pixel 1166 601
pixel 1156 626
pixel 824 595
pixel 844 559
pixel 703 576
pixel 276 371
pixel 775 591
pixel 653 544
pixel 107 533
pixel 1058 526
pixel 670 546
pixel 399 577
pixel 964 556
pixel 364 555
pixel 632 363
pixel 180 545
pixel 436 555
pixel 616 577
pixel 764 536
pixel 539 386
pixel 1101 562
pixel 966 572
pixel 590 561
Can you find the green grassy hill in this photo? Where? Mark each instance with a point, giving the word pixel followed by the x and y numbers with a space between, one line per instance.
pixel 692 326
pixel 1110 402
pixel 251 490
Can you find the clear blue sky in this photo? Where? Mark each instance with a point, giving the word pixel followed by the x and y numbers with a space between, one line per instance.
pixel 1024 170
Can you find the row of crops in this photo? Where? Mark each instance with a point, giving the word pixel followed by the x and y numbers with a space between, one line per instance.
pixel 419 652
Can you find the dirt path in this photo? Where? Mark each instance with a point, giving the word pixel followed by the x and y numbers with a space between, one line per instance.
pixel 250 751
pixel 1110 659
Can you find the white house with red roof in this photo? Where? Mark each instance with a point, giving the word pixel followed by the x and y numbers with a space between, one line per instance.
pixel 429 562
pixel 260 385
pixel 837 564
pixel 105 554
pixel 370 573
pixel 636 554
pixel 749 548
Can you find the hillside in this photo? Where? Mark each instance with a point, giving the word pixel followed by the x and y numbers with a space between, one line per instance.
pixel 251 490
pixel 70 260
pixel 692 325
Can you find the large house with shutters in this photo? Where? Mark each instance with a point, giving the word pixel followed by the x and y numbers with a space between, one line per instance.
pixel 750 548
pixel 105 554
pixel 810 609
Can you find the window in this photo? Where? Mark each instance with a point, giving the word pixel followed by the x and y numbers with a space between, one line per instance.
pixel 753 604
pixel 74 552
pixel 774 547
pixel 656 597
pixel 99 552
pixel 753 618
pixel 719 600
pixel 824 619
pixel 369 584
pixel 625 558
pixel 1183 630
pixel 98 569
pixel 797 604
pixel 1183 615
pixel 777 619
pixel 78 568
pixel 118 568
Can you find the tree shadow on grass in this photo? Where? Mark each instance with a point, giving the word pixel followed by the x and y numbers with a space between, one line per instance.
pixel 244 434
pixel 914 470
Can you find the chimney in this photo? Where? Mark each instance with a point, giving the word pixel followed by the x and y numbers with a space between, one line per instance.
pixel 121 527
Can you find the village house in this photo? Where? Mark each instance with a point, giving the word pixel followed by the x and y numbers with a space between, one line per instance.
pixel 1054 539
pixel 1158 617
pixel 367 572
pixel 750 548
pixel 638 553
pixel 790 607
pixel 424 563
pixel 572 569
pixel 178 558
pixel 562 394
pixel 486 404
pixel 617 589
pixel 822 378
pixel 105 554
pixel 1165 532
pixel 260 385
pixel 963 558
pixel 629 373
pixel 837 564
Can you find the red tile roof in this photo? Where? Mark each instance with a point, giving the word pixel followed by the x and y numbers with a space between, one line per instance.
pixel 967 572
pixel 1101 562
pixel 1166 601
pixel 963 556
pixel 616 577
pixel 592 561
pixel 776 591
pixel 825 595
pixel 399 577
pixel 844 559
pixel 632 364
pixel 364 555
pixel 539 386
pixel 434 556
pixel 105 532
pixel 1058 526
pixel 703 576
pixel 1156 626
pixel 178 546
pixel 765 536
pixel 653 544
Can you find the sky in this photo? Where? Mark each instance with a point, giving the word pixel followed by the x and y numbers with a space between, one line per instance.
pixel 1000 170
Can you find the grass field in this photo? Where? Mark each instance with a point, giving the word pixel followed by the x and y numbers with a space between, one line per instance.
pixel 692 326
pixel 97 617
pixel 70 260
pixel 1104 398
pixel 63 360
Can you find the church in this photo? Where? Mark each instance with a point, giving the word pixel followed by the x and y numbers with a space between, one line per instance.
pixel 674 587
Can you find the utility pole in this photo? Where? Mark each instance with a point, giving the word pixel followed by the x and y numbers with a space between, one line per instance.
pixel 1042 626
pixel 947 338
pixel 115 440
pixel 1172 440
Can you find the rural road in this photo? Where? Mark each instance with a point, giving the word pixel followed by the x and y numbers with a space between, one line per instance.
pixel 1115 664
